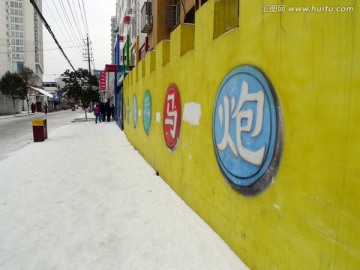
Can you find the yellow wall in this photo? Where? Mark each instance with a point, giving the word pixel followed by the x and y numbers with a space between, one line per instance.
pixel 309 218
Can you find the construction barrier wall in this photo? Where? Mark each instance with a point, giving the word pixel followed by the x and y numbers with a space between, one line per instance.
pixel 278 179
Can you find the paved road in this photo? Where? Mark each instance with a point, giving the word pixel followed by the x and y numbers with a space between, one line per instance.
pixel 16 132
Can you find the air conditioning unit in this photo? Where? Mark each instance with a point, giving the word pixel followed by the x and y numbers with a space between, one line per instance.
pixel 172 16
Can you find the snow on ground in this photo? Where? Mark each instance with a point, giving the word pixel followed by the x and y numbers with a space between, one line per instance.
pixel 85 199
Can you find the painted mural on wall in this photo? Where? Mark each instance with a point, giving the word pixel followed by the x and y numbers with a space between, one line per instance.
pixel 147 112
pixel 127 110
pixel 135 111
pixel 247 157
pixel 247 130
pixel 172 117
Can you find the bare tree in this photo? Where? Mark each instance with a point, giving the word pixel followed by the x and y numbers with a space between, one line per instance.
pixel 30 79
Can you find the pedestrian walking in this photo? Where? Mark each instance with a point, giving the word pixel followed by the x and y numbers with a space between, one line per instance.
pixel 97 113
pixel 112 112
pixel 108 110
pixel 46 108
pixel 103 111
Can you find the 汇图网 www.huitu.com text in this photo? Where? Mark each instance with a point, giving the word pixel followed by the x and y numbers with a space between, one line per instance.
pixel 285 8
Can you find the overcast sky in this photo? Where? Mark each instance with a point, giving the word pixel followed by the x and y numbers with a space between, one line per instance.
pixel 73 38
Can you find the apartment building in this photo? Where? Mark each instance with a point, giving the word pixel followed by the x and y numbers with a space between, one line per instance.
pixel 21 43
pixel 140 26
pixel 113 37
pixel 128 29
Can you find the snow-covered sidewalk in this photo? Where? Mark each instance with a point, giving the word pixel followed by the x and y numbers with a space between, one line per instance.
pixel 85 199
pixel 21 114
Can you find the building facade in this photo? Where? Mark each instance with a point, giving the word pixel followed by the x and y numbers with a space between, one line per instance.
pixel 140 26
pixel 113 37
pixel 21 44
pixel 128 23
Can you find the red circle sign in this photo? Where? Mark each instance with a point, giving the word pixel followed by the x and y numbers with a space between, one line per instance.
pixel 172 116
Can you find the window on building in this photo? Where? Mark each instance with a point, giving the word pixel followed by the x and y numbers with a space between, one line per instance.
pixel 172 16
pixel 16 12
pixel 146 18
pixel 18 49
pixel 133 28
pixel 190 16
pixel 16 19
pixel 17 41
pixel 18 27
pixel 17 66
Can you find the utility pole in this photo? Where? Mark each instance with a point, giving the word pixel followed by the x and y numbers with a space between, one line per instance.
pixel 88 52
pixel 87 55
pixel 88 58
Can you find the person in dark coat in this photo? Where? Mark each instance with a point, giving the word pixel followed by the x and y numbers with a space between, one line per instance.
pixel 108 110
pixel 112 112
pixel 103 111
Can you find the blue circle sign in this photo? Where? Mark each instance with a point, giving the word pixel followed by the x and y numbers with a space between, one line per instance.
pixel 247 131
pixel 147 112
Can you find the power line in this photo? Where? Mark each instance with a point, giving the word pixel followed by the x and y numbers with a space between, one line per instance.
pixel 87 28
pixel 68 21
pixel 73 21
pixel 71 54
pixel 43 50
pixel 50 31
pixel 65 41
pixel 75 18
pixel 64 25
pixel 52 15
pixel 82 18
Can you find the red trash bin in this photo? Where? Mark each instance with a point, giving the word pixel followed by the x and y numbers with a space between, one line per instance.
pixel 39 130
